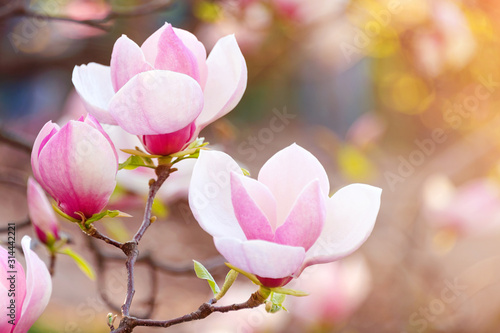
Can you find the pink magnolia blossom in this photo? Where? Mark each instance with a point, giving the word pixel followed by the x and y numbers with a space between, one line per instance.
pixel 76 165
pixel 284 221
pixel 471 208
pixel 32 290
pixel 41 214
pixel 165 91
pixel 449 44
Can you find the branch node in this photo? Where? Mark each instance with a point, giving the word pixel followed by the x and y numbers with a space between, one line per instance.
pixel 130 248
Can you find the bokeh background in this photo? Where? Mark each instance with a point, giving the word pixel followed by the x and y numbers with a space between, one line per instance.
pixel 401 94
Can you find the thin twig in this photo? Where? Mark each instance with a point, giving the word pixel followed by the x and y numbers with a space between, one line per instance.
pixel 127 324
pixel 162 171
pixel 18 225
pixel 153 291
pixel 93 232
pixel 52 264
pixel 168 268
pixel 101 271
pixel 131 248
pixel 15 141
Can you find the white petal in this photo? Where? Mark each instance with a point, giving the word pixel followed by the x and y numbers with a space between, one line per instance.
pixel 93 84
pixel 265 259
pixel 210 194
pixel 351 215
pixel 226 81
pixel 288 172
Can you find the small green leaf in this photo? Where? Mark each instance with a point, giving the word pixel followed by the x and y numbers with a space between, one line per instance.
pixel 277 298
pixel 134 161
pixel 252 277
pixel 290 292
pixel 63 214
pixel 82 263
pixel 204 274
pixel 197 143
pixel 106 213
pixel 228 282
pixel 276 303
pixel 245 172
pixel 139 153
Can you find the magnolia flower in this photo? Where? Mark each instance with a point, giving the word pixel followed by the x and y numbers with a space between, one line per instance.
pixel 472 208
pixel 31 293
pixel 276 226
pixel 165 91
pixel 449 44
pixel 41 214
pixel 76 165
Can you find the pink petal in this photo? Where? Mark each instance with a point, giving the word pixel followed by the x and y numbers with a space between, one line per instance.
pixel 199 52
pixel 251 218
pixel 351 215
pixel 127 60
pixel 92 121
pixel 157 102
pixel 305 222
pixel 226 81
pixel 150 49
pixel 265 259
pixel 288 172
pixel 20 289
pixel 47 132
pixel 93 84
pixel 78 167
pixel 38 288
pixel 41 214
pixel 5 326
pixel 150 45
pixel 210 194
pixel 166 144
pixel 173 55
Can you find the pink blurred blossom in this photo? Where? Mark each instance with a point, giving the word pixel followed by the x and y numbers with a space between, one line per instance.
pixel 41 214
pixel 473 207
pixel 449 44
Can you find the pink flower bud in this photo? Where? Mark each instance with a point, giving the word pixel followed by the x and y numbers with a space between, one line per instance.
pixel 41 214
pixel 31 290
pixel 76 165
pixel 165 91
pixel 284 221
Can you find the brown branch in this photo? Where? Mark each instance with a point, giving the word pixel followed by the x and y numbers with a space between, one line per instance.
pixel 15 141
pixel 93 232
pixel 20 10
pixel 18 225
pixel 151 302
pixel 168 268
pixel 127 324
pixel 162 172
pixel 52 265
pixel 131 248
pixel 101 271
